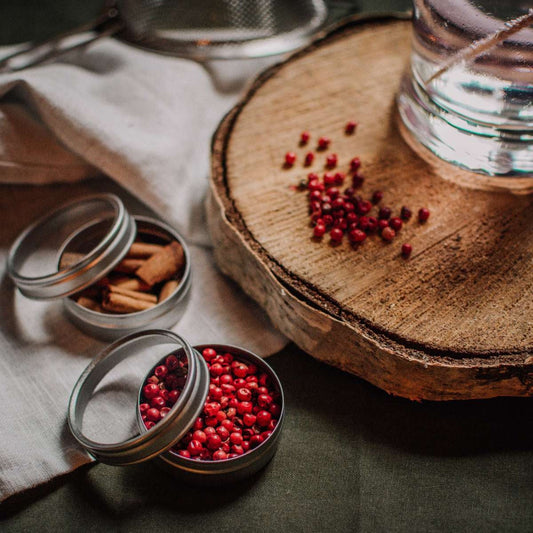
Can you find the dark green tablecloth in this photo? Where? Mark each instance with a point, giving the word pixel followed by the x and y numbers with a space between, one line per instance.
pixel 352 458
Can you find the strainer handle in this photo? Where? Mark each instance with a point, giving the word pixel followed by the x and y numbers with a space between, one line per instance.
pixel 104 26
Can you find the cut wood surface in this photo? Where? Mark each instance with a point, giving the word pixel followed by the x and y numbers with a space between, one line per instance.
pixel 455 321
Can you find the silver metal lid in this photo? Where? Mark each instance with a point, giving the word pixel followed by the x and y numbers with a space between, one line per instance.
pixel 103 407
pixel 96 229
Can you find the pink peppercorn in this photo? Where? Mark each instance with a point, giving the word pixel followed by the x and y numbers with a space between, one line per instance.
pixel 406 213
pixel 331 160
pixel 396 223
pixel 377 197
pixel 323 143
pixel 309 158
pixel 423 214
pixel 350 127
pixel 336 234
pixel 304 137
pixel 319 230
pixel 407 249
pixel 388 234
pixel 290 159
pixel 355 164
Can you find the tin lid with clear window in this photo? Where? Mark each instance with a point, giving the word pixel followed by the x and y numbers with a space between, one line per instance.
pixel 71 248
pixel 104 414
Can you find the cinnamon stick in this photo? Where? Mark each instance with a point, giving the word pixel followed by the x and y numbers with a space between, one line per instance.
pixel 132 284
pixel 145 297
pixel 119 303
pixel 129 266
pixel 163 265
pixel 168 288
pixel 143 250
pixel 89 303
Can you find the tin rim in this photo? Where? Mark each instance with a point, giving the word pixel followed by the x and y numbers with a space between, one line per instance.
pixel 165 433
pixel 96 264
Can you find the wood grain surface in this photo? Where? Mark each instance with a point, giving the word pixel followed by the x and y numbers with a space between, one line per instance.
pixel 453 321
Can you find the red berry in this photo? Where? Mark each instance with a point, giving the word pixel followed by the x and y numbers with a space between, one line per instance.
pixel 153 414
pixel 216 369
pixel 377 197
pixel 209 354
pixel 382 224
pixel 355 163
pixel 236 438
pixel 331 161
pixel 275 410
pixel 237 449
pixel 364 207
pixel 319 230
pixel 195 447
pixel 171 362
pixel 263 418
pixel 357 235
pixel 158 402
pixel 396 223
pixel 350 127
pixel 249 419
pixel 214 441
pixel 200 436
pixel 309 158
pixel 150 391
pixel 240 371
pixel 423 214
pixel 223 433
pixel 290 159
pixel 336 234
pixel 406 213
pixel 372 225
pixel 173 396
pixel 228 424
pixel 244 395
pixel 184 453
pixel 304 137
pixel 211 408
pixel 161 371
pixel 384 213
pixel 255 441
pixel 323 143
pixel 220 455
pixel 244 407
pixel 388 234
pixel 329 179
pixel 406 250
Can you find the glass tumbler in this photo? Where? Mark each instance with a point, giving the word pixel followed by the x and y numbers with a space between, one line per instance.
pixel 468 94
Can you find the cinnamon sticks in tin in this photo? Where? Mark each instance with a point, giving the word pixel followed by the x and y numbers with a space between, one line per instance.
pixel 148 275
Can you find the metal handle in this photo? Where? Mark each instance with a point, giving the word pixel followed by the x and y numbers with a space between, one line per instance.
pixel 104 26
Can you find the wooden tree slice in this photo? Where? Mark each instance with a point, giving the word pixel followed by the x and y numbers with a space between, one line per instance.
pixel 455 321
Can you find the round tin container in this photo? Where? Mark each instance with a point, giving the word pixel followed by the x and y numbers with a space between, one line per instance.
pixel 101 228
pixel 229 470
pixel 157 442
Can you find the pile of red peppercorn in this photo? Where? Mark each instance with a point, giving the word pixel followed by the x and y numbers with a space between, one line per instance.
pixel 241 410
pixel 344 212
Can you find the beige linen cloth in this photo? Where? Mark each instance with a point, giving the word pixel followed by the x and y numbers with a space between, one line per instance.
pixel 132 121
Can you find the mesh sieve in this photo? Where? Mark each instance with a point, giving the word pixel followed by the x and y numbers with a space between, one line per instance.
pixel 199 29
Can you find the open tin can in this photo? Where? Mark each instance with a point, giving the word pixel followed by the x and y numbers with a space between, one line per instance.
pixel 98 231
pixel 104 417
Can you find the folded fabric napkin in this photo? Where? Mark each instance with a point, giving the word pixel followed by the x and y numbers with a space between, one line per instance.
pixel 145 121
